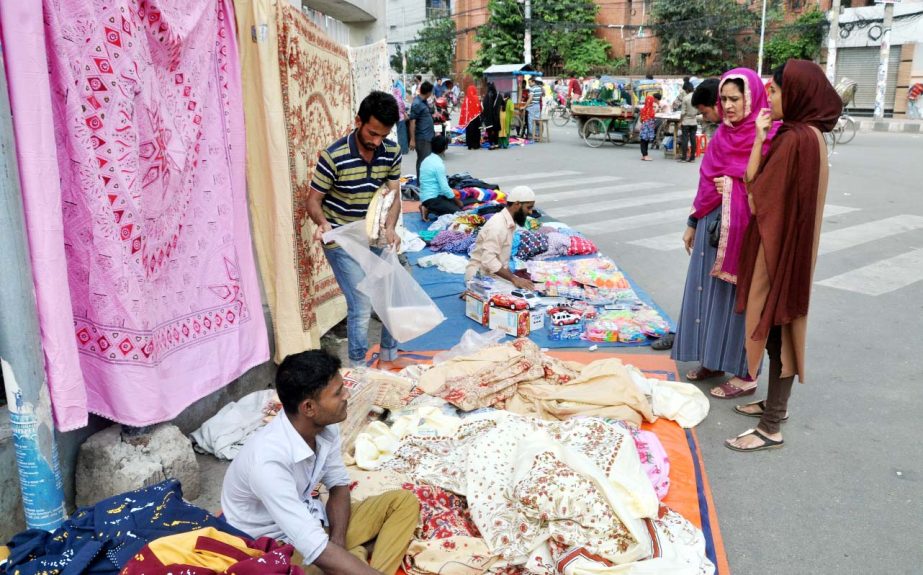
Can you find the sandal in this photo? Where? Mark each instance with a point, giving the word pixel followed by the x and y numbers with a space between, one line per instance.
pixel 767 443
pixel 761 404
pixel 702 373
pixel 664 343
pixel 424 213
pixel 731 391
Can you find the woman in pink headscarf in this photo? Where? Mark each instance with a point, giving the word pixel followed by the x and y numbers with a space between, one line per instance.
pixel 709 331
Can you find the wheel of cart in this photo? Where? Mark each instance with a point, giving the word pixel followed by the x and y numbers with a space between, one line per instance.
pixel 598 124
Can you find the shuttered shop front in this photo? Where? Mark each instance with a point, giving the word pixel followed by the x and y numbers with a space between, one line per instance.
pixel 861 65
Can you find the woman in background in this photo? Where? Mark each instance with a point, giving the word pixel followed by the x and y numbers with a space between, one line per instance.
pixel 403 140
pixel 506 120
pixel 470 118
pixel 491 115
pixel 648 126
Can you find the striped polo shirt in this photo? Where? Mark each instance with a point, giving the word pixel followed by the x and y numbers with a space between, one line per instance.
pixel 348 182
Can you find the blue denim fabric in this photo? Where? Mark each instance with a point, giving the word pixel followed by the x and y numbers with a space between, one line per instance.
pixel 358 308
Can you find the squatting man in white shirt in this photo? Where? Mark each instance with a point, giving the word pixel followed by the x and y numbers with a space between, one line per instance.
pixel 269 489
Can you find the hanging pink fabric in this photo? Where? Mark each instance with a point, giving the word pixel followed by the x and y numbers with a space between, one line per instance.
pixel 728 154
pixel 156 302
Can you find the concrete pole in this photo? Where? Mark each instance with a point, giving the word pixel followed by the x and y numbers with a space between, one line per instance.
pixel 404 48
pixel 527 41
pixel 832 36
pixel 21 356
pixel 883 56
pixel 759 64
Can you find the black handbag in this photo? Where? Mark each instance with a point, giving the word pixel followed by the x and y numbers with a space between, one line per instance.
pixel 714 231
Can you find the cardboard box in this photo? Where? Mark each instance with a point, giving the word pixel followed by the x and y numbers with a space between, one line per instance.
pixel 476 308
pixel 515 323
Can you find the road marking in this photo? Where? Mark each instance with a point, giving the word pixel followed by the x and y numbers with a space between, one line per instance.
pixel 844 238
pixel 620 204
pixel 616 225
pixel 571 182
pixel 881 277
pixel 674 240
pixel 594 192
pixel 528 176
pixel 664 243
pixel 831 210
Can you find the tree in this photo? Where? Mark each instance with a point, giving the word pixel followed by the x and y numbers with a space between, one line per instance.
pixel 433 50
pixel 801 39
pixel 501 39
pixel 562 35
pixel 700 37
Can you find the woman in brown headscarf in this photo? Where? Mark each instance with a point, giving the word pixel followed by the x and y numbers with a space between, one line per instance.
pixel 786 190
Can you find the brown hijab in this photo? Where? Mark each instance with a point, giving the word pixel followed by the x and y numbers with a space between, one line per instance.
pixel 785 198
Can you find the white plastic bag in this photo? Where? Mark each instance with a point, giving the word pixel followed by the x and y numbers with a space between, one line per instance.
pixel 471 342
pixel 400 302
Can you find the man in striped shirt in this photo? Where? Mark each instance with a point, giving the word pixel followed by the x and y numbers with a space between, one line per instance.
pixel 348 174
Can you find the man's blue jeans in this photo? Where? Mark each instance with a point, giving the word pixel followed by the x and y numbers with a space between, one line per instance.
pixel 358 308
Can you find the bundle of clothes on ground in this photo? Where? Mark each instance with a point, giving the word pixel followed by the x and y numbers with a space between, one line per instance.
pixel 525 464
pixel 147 531
pixel 458 138
pixel 522 463
pixel 456 233
pixel 472 192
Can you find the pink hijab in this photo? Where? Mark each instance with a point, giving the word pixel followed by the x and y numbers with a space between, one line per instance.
pixel 727 154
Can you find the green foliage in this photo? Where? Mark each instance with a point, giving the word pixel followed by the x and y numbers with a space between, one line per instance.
pixel 433 50
pixel 562 36
pixel 700 37
pixel 801 39
pixel 501 39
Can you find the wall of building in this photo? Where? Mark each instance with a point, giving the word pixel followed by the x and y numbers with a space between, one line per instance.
pixel 468 16
pixel 354 22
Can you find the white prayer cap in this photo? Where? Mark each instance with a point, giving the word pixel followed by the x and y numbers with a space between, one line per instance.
pixel 520 194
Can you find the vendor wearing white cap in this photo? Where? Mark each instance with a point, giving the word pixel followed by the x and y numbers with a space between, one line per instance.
pixel 491 255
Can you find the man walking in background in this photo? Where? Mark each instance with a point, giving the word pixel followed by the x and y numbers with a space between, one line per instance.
pixel 422 130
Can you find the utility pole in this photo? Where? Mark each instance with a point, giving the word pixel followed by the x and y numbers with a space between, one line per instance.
pixel 21 356
pixel 527 41
pixel 883 56
pixel 759 64
pixel 832 36
pixel 404 48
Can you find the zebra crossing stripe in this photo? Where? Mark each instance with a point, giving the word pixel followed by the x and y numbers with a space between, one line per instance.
pixel 626 223
pixel 577 182
pixel 674 240
pixel 619 204
pixel 596 192
pixel 853 236
pixel 881 277
pixel 528 176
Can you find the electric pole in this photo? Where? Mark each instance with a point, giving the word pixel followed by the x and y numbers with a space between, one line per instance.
pixel 759 65
pixel 527 41
pixel 832 39
pixel 883 56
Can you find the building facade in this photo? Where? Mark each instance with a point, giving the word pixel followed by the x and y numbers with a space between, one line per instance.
pixel 350 22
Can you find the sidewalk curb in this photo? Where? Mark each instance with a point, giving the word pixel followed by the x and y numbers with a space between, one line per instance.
pixel 896 126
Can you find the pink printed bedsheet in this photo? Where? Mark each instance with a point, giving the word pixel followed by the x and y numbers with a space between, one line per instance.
pixel 146 286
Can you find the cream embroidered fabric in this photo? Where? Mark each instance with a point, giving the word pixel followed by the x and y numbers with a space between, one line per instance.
pixel 578 482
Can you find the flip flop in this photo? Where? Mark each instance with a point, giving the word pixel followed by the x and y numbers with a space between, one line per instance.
pixel 731 391
pixel 767 443
pixel 664 343
pixel 702 373
pixel 761 404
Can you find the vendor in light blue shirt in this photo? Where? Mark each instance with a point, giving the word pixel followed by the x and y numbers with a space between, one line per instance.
pixel 436 196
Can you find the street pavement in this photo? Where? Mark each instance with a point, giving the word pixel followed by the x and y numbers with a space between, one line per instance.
pixel 845 494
